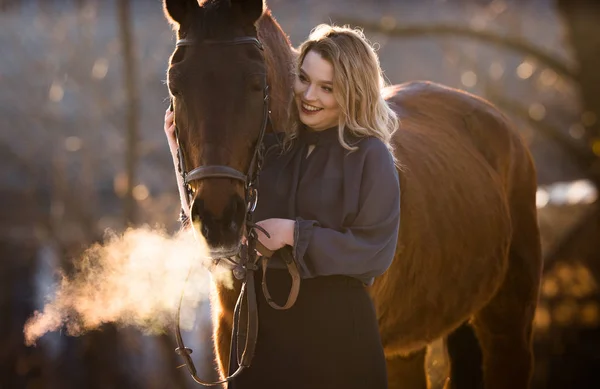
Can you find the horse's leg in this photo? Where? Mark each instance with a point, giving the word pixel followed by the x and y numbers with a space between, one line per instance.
pixel 222 314
pixel 504 329
pixel 504 325
pixel 407 372
pixel 465 359
pixel 222 341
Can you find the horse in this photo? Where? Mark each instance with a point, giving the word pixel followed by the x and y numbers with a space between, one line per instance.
pixel 468 247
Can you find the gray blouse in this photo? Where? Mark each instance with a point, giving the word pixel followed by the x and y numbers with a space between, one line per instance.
pixel 346 204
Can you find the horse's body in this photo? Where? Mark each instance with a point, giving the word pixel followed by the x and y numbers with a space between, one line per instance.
pixel 468 247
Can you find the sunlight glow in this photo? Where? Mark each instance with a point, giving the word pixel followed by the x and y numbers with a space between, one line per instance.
pixel 596 147
pixel 73 143
pixel 564 313
pixel 550 287
pixel 469 79
pixel 542 198
pixel 577 130
pixel 56 92
pixel 568 290
pixel 567 193
pixel 120 184
pixel 537 111
pixel 590 314
pixel 498 6
pixel 548 77
pixel 525 70
pixel 388 22
pixel 100 68
pixel 542 319
pixel 140 192
pixel 581 191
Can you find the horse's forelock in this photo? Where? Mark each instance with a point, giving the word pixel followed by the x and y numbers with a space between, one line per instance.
pixel 219 20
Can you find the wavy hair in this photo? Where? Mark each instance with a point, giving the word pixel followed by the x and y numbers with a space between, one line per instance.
pixel 357 84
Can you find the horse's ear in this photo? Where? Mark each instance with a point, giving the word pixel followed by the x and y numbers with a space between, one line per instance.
pixel 249 10
pixel 176 11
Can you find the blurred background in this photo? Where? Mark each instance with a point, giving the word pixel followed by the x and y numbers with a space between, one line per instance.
pixel 82 149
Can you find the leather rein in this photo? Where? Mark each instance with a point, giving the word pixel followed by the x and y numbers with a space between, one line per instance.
pixel 245 329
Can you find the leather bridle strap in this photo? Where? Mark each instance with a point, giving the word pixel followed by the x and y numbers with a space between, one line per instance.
pixel 215 171
pixel 234 41
pixel 287 256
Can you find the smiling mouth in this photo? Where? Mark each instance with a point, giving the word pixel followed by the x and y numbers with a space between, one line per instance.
pixel 307 108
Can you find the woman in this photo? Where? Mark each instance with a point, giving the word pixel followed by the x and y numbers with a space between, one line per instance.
pixel 329 191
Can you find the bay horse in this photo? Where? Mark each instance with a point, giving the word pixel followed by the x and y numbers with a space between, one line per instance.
pixel 468 247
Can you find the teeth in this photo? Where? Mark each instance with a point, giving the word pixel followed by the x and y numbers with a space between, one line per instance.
pixel 310 107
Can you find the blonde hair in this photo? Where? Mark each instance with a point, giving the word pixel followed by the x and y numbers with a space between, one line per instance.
pixel 357 84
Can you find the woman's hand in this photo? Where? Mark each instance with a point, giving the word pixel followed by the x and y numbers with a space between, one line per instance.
pixel 170 131
pixel 281 231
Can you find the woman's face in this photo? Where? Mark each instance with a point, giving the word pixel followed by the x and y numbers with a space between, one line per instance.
pixel 313 91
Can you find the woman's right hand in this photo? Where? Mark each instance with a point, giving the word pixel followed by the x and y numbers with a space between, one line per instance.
pixel 170 131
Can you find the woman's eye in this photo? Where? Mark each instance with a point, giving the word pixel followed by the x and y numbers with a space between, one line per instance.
pixel 302 78
pixel 327 89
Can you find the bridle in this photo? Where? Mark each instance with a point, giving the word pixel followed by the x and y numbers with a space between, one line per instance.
pixel 245 330
pixel 250 178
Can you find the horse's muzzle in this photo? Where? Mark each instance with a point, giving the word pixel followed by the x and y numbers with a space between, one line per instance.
pixel 222 231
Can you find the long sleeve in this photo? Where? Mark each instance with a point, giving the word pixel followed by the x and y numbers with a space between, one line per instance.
pixel 365 247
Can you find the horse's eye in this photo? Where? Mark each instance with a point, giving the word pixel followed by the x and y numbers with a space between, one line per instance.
pixel 173 82
pixel 177 55
pixel 173 88
pixel 256 82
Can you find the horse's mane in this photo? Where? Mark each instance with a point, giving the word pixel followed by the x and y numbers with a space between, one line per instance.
pixel 214 22
pixel 279 58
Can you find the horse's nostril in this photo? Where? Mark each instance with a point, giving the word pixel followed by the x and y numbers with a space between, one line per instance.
pixel 219 228
pixel 197 208
pixel 198 216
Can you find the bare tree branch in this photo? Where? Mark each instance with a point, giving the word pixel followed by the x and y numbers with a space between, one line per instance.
pixel 580 155
pixel 131 152
pixel 512 43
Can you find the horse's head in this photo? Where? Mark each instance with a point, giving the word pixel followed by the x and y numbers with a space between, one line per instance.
pixel 217 80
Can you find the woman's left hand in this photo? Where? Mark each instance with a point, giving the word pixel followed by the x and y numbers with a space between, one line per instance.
pixel 280 230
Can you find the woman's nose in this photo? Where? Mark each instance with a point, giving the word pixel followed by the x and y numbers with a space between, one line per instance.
pixel 309 93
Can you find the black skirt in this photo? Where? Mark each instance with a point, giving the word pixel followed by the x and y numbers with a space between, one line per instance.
pixel 328 339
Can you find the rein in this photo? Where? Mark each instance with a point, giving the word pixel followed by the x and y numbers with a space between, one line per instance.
pixel 245 329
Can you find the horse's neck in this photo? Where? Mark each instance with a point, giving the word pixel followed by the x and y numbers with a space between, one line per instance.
pixel 279 58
